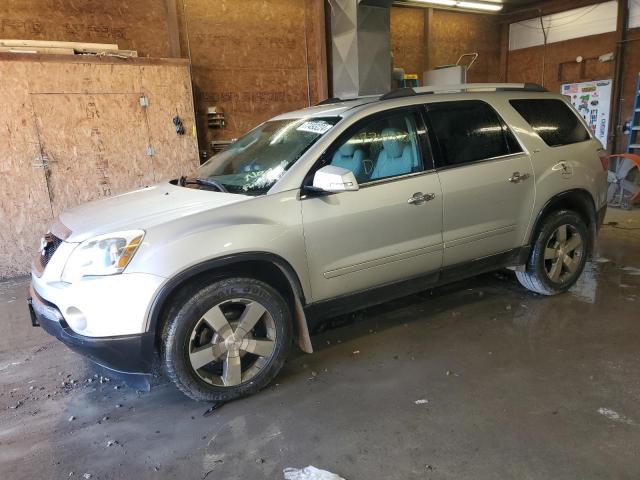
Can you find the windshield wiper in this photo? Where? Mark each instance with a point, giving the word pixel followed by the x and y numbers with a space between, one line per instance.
pixel 206 182
pixel 210 182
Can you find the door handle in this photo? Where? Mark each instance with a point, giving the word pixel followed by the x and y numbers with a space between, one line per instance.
pixel 518 177
pixel 420 198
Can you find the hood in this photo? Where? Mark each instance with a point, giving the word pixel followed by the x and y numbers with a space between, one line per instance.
pixel 141 209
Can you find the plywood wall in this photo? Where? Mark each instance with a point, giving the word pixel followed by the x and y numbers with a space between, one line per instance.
pixel 255 59
pixel 136 25
pixel 541 64
pixel 408 39
pixel 457 33
pixel 451 34
pixel 84 119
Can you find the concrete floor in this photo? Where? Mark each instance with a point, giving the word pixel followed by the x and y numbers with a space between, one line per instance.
pixel 517 386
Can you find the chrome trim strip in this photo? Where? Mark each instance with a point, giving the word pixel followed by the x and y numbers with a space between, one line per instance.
pixel 479 236
pixel 383 261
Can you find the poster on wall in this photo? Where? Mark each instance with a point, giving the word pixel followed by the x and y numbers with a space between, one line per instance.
pixel 593 101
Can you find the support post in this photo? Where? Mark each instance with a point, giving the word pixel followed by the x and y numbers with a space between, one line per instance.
pixel 621 34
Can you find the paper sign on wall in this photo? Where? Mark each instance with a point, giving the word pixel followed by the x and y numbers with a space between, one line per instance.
pixel 593 101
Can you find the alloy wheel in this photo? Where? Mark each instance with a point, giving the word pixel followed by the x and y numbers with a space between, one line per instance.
pixel 232 342
pixel 563 253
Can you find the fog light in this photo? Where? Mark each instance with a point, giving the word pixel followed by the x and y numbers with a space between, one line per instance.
pixel 76 319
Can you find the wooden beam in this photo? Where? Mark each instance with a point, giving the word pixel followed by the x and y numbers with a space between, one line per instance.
pixel 428 37
pixel 77 46
pixel 173 28
pixel 317 13
pixel 621 35
pixel 504 52
pixel 546 7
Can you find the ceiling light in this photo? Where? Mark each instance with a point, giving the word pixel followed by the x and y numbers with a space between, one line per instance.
pixel 479 6
pixel 446 3
pixel 495 6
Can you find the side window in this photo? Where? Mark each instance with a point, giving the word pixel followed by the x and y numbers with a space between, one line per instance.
pixel 553 120
pixel 383 148
pixel 468 131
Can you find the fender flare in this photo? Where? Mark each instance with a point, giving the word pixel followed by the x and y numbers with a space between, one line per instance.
pixel 584 198
pixel 188 273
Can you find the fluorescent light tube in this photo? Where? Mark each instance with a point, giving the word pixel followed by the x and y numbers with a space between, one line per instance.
pixel 479 6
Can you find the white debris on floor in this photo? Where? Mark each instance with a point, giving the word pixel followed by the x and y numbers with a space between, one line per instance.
pixel 615 416
pixel 309 473
pixel 422 401
pixel 632 270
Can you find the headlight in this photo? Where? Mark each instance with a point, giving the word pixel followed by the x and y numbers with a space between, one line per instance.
pixel 104 255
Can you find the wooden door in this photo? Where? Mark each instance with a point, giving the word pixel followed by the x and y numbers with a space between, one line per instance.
pixel 94 145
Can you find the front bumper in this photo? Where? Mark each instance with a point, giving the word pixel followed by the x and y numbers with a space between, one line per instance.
pixel 124 353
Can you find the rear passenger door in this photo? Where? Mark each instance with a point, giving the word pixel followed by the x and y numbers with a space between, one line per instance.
pixel 487 180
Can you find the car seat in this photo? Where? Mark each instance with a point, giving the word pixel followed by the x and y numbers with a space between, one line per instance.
pixel 351 158
pixel 396 157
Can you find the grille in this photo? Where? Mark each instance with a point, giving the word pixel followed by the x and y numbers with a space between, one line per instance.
pixel 52 244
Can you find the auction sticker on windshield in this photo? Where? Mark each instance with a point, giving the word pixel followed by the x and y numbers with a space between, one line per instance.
pixel 318 127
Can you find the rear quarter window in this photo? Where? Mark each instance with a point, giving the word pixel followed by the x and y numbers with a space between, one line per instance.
pixel 552 120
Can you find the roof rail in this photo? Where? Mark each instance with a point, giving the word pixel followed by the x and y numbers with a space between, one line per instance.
pixel 329 101
pixel 465 87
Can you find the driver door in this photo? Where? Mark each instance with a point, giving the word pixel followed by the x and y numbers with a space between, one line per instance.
pixel 389 230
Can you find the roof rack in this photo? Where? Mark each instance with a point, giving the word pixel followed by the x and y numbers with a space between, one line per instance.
pixel 465 87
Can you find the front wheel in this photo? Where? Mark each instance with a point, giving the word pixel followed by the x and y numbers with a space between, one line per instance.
pixel 227 340
pixel 558 256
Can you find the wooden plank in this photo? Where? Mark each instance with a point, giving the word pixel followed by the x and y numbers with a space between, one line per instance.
pixel 173 28
pixel 39 50
pixel 91 59
pixel 77 46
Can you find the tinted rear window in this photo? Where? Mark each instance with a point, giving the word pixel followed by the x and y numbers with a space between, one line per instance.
pixel 469 131
pixel 553 120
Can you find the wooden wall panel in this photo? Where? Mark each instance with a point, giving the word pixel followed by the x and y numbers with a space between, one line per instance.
pixel 526 65
pixel 169 92
pixel 95 145
pixel 253 58
pixel 408 43
pixel 139 25
pixel 451 35
pixel 25 211
pixel 457 33
pixel 94 140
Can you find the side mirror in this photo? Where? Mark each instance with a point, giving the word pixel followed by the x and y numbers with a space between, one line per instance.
pixel 332 179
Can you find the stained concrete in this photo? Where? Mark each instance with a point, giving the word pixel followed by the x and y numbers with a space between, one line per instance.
pixel 515 386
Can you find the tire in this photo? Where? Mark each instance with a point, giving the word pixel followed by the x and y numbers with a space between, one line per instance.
pixel 550 275
pixel 212 325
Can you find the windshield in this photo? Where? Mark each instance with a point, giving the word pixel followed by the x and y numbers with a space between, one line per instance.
pixel 255 162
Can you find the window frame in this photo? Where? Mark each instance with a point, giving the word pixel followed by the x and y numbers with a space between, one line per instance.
pixel 571 109
pixel 424 148
pixel 439 162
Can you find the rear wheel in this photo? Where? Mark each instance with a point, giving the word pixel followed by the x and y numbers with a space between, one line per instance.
pixel 227 340
pixel 558 255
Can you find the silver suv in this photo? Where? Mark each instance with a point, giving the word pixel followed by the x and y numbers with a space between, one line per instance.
pixel 316 213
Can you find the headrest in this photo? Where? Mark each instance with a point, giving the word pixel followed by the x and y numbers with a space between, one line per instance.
pixel 393 141
pixel 347 150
